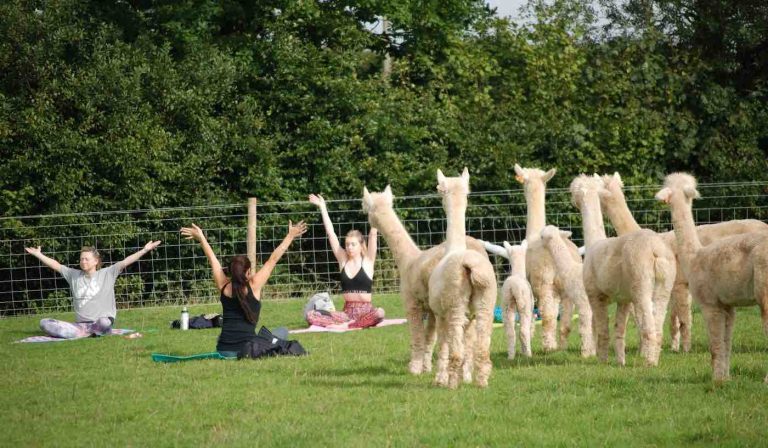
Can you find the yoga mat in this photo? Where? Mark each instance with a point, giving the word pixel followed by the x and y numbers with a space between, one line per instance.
pixel 115 331
pixel 317 329
pixel 159 357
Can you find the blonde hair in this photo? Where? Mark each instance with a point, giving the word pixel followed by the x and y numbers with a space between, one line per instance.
pixel 359 235
pixel 93 251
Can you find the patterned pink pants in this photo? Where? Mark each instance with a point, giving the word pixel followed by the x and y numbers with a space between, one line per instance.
pixel 363 314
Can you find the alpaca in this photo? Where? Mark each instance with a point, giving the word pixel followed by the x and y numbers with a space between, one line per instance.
pixel 634 269
pixel 517 296
pixel 727 273
pixel 415 267
pixel 461 287
pixel 681 317
pixel 571 274
pixel 542 274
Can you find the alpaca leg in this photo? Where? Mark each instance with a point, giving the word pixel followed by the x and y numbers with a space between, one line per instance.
pixel 600 323
pixel 455 323
pixel 484 325
pixel 585 324
pixel 566 318
pixel 509 325
pixel 548 309
pixel 525 310
pixel 441 377
pixel 470 341
pixel 429 343
pixel 730 317
pixel 416 325
pixel 660 304
pixel 715 318
pixel 680 317
pixel 644 308
pixel 620 332
pixel 764 313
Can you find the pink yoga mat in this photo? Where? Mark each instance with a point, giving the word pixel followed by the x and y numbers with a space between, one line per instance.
pixel 316 329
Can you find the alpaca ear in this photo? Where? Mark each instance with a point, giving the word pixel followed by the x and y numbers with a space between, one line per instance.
pixel 520 174
pixel 465 174
pixel 524 244
pixel 565 234
pixel 664 195
pixel 388 193
pixel 548 175
pixel 440 177
pixel 366 195
pixel 617 177
pixel 691 193
pixel 507 246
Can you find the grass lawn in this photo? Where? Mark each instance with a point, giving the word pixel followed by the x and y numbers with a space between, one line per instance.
pixel 354 390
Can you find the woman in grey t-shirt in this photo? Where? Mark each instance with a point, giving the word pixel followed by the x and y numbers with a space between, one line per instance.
pixel 93 292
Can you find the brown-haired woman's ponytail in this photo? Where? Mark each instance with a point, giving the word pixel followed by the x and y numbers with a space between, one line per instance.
pixel 238 268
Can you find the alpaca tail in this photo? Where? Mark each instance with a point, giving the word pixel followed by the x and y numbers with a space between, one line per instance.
pixel 663 263
pixel 479 270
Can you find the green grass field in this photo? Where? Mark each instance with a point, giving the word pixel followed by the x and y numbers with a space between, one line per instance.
pixel 354 390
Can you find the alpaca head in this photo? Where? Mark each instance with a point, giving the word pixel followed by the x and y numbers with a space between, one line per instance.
pixel 585 190
pixel 375 203
pixel 453 190
pixel 678 187
pixel 533 179
pixel 612 191
pixel 551 232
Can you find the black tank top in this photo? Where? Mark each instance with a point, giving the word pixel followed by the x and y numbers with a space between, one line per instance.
pixel 360 283
pixel 237 330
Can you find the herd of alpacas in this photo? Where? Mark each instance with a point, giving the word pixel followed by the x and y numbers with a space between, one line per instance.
pixel 450 290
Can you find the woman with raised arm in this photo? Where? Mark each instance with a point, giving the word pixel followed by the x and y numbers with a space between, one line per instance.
pixel 93 292
pixel 240 295
pixel 356 264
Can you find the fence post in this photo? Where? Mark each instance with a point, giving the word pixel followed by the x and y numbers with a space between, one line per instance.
pixel 252 232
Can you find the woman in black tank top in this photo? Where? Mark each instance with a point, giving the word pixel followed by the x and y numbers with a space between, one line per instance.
pixel 356 262
pixel 240 295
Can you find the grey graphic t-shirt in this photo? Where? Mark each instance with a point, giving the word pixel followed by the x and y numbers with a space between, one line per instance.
pixel 94 296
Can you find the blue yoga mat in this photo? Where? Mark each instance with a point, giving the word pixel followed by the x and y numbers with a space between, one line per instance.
pixel 159 357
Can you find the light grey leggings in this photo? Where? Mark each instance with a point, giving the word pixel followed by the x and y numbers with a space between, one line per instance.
pixel 67 330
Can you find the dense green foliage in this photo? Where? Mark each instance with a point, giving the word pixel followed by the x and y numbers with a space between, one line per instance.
pixel 354 390
pixel 142 104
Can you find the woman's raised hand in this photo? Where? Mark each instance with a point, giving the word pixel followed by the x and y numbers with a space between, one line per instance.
pixel 34 250
pixel 317 200
pixel 298 229
pixel 151 245
pixel 193 233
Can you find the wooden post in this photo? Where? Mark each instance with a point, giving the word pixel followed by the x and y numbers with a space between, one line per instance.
pixel 251 236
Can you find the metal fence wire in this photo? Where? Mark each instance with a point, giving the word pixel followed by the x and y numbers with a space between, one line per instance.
pixel 177 272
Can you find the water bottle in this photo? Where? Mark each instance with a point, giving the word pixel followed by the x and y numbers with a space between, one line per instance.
pixel 184 319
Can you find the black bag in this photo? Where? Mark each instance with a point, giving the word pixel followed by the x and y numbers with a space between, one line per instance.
pixel 200 322
pixel 266 344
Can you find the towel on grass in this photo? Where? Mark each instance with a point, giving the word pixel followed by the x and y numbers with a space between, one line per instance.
pixel 159 357
pixel 114 331
pixel 318 329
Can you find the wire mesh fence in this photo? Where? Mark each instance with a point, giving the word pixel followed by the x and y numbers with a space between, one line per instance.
pixel 177 272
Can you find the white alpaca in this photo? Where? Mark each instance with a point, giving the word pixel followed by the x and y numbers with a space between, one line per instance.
pixel 572 278
pixel 415 267
pixel 725 274
pixel 461 287
pixel 637 269
pixel 681 318
pixel 517 297
pixel 542 273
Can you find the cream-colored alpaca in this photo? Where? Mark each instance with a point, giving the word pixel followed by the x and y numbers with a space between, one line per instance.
pixel 542 273
pixel 572 279
pixel 725 274
pixel 637 268
pixel 681 318
pixel 516 295
pixel 462 288
pixel 414 266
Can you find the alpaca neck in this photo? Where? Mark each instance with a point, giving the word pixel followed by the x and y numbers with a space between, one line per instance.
pixel 688 242
pixel 560 254
pixel 592 220
pixel 455 235
pixel 518 265
pixel 621 217
pixel 398 239
pixel 536 217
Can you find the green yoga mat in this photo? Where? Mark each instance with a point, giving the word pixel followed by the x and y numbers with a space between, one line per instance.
pixel 159 357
